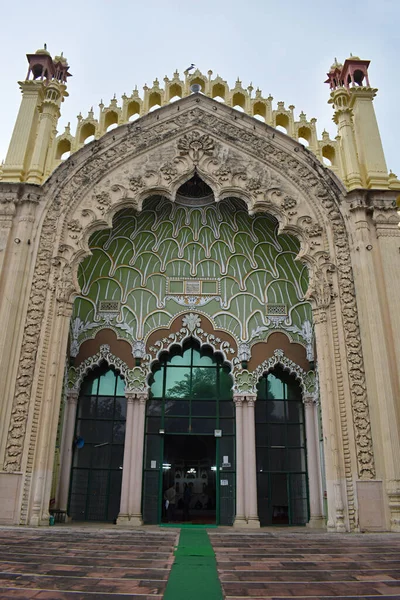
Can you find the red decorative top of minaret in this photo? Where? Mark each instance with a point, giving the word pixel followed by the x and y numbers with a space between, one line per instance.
pixel 42 66
pixel 352 73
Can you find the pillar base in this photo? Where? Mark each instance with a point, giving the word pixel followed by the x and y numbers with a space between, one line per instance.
pixel 130 520
pixel 240 522
pixel 316 523
pixel 253 523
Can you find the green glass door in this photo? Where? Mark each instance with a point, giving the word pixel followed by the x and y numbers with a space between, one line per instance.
pixel 282 481
pixel 96 473
pixel 190 427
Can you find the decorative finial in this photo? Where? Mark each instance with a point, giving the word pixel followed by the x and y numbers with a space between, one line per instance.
pixel 45 46
pixel 115 96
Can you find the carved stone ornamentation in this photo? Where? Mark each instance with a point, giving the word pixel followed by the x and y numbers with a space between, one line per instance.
pixel 196 145
pixel 135 379
pixel 191 328
pixel 316 192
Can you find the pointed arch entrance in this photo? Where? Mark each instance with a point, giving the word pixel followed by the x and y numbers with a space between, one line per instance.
pixel 190 438
pixel 236 159
pixel 99 437
pixel 282 475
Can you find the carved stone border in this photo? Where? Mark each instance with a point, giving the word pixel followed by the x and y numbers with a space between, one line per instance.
pixel 135 379
pixel 191 329
pixel 246 381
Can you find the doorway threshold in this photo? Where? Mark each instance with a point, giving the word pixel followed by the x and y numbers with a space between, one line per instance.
pixel 188 525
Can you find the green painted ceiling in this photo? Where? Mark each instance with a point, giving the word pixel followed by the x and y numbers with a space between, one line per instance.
pixel 145 261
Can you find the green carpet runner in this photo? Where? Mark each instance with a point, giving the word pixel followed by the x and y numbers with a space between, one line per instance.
pixel 194 572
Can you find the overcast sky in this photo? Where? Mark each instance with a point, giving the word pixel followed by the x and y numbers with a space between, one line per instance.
pixel 285 48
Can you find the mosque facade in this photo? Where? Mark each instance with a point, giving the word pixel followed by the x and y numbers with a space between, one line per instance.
pixel 198 309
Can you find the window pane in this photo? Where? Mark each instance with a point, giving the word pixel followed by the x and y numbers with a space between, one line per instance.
pixel 204 409
pixel 87 407
pixel 153 424
pixel 225 384
pixel 152 451
pixel 227 448
pixel 296 460
pixel 261 411
pixel 262 459
pixel 103 432
pixel 294 412
pixel 82 456
pixel 157 385
pixel 86 430
pixel 274 387
pixel 107 384
pixel 176 407
pixel 105 407
pixel 154 407
pixel 119 432
pixel 120 387
pixel 204 361
pixel 295 435
pixel 277 435
pixel 275 411
pixel 227 426
pixel 277 460
pixel 203 425
pixel 181 360
pixel 120 408
pixel 261 388
pixel 204 383
pixel 89 386
pixel 261 435
pixel 101 455
pixel 117 456
pixel 177 425
pixel 226 409
pixel 177 383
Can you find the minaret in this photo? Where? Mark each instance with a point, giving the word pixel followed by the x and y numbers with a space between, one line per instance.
pixel 352 98
pixel 343 117
pixel 368 139
pixel 42 93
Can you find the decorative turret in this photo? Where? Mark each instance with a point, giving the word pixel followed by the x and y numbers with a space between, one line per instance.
pixel 364 164
pixel 42 93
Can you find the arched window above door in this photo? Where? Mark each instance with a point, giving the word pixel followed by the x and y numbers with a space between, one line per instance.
pixel 191 391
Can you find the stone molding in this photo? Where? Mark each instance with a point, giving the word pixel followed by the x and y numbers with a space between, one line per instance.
pixel 240 160
pixel 245 382
pixel 135 379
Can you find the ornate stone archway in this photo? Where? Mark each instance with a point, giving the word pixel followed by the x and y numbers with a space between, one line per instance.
pixel 237 157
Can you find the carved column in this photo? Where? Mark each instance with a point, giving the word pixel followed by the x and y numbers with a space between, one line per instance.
pixel 131 491
pixel 128 467
pixel 240 519
pixel 250 466
pixel 314 472
pixel 15 286
pixel 42 443
pixel 7 212
pixel 376 272
pixel 135 506
pixel 67 448
pixel 330 429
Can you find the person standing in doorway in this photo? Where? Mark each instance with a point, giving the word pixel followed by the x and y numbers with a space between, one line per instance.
pixel 170 499
pixel 187 496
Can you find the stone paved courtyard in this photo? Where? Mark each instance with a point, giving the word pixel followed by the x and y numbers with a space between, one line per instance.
pixel 74 563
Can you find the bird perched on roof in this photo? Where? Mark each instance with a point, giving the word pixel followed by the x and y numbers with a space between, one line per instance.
pixel 192 66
